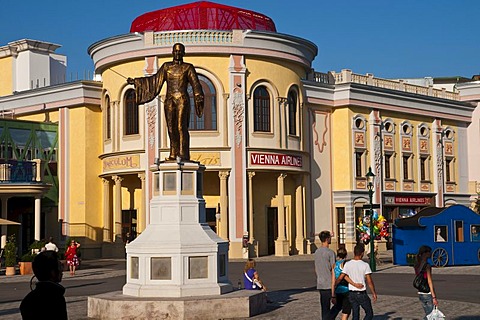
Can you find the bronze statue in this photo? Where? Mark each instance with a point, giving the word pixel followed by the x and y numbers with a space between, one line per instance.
pixel 177 74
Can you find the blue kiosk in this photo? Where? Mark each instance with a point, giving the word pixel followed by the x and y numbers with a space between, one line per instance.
pixel 453 233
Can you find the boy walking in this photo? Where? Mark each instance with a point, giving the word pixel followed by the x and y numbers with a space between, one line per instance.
pixel 358 272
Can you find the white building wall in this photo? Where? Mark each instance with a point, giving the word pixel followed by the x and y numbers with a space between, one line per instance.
pixel 320 171
pixel 471 92
pixel 58 69
pixel 463 160
pixel 35 66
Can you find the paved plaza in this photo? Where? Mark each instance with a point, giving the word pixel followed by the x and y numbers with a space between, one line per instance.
pixel 288 304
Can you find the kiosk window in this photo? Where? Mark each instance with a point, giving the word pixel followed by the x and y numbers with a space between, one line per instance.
pixel 459 231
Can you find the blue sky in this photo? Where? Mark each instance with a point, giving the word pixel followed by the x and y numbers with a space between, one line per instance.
pixel 391 39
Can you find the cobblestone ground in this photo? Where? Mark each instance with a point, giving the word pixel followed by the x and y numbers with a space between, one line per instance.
pixel 288 304
pixel 305 306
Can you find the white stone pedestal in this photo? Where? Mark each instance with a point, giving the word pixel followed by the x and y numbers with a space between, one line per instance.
pixel 177 255
pixel 237 304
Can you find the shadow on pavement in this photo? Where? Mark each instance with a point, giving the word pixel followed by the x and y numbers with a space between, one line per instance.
pixel 7 312
pixel 280 298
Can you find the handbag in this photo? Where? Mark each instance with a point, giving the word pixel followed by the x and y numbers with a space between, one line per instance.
pixel 436 314
pixel 255 282
pixel 420 283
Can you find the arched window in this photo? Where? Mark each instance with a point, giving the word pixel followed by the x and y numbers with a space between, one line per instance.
pixel 209 119
pixel 108 120
pixel 261 109
pixel 131 113
pixel 292 112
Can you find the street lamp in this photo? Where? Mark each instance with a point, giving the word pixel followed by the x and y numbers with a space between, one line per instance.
pixel 370 179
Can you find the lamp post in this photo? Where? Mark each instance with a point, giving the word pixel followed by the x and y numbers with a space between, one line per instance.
pixel 370 179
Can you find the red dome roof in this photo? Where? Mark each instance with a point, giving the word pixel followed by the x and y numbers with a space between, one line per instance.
pixel 202 15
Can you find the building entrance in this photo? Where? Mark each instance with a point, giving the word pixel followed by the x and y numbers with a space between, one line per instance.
pixel 272 229
pixel 129 224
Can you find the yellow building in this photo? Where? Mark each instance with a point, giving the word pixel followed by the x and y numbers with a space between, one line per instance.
pixel 275 134
pixel 414 138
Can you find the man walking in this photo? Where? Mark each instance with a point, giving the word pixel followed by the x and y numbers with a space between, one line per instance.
pixel 51 246
pixel 324 263
pixel 359 275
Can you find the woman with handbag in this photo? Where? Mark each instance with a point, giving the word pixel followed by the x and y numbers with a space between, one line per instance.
pixel 423 269
pixel 251 279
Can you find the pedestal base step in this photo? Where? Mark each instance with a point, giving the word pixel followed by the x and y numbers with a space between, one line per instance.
pixel 236 304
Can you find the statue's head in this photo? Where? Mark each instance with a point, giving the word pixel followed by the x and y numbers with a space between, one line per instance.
pixel 178 51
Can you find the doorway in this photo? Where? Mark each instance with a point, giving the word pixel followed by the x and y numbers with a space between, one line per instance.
pixel 129 224
pixel 272 229
pixel 211 219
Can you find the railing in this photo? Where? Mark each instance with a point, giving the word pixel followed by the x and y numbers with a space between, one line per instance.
pixel 200 36
pixel 17 171
pixel 346 76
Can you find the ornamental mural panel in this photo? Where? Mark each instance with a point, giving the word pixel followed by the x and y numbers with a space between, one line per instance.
pixel 406 144
pixel 388 142
pixel 360 139
pixel 449 148
pixel 423 143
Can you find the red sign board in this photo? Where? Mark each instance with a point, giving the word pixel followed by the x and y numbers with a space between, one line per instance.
pixel 271 159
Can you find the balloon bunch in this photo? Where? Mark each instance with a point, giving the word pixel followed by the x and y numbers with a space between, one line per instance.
pixel 380 227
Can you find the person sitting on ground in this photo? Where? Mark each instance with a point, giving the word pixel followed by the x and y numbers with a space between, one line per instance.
pixel 251 279
pixel 51 246
pixel 46 301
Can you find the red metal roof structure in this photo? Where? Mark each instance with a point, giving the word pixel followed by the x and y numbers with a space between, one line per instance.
pixel 202 15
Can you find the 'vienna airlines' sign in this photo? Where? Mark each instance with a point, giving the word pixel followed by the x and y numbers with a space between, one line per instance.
pixel 270 159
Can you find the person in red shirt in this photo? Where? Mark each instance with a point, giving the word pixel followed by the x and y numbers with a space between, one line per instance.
pixel 71 256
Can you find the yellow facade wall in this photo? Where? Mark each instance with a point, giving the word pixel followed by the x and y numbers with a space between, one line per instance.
pixel 114 83
pixel 218 66
pixel 6 74
pixel 342 153
pixel 52 116
pixel 270 70
pixel 85 187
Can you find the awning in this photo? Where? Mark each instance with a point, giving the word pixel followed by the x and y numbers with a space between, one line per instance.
pixel 5 222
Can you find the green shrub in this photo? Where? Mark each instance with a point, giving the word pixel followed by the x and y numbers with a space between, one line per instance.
pixel 37 244
pixel 33 250
pixel 27 257
pixel 10 252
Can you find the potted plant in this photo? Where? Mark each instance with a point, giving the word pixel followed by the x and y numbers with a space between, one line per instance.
pixel 10 251
pixel 25 264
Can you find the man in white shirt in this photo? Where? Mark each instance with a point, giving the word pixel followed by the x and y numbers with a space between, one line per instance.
pixel 50 246
pixel 359 276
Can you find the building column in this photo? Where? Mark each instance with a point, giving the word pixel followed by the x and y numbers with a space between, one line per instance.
pixel 300 238
pixel 223 227
pixel 281 244
pixel 38 210
pixel 117 208
pixel 3 232
pixel 107 228
pixel 250 206
pixel 225 120
pixel 142 222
